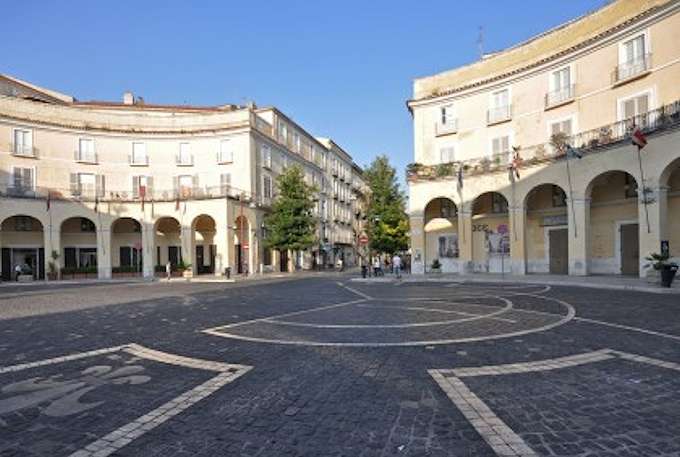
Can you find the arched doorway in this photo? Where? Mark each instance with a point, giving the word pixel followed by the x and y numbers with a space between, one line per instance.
pixel 614 225
pixel 203 231
pixel 441 234
pixel 167 239
pixel 671 180
pixel 22 241
pixel 126 247
pixel 547 230
pixel 490 233
pixel 242 244
pixel 79 247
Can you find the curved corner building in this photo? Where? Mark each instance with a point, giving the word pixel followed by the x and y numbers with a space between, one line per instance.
pixel 497 183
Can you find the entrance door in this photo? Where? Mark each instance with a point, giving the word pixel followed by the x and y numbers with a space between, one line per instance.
pixel 239 258
pixel 173 255
pixel 283 263
pixel 630 250
pixel 559 251
pixel 200 268
pixel 6 264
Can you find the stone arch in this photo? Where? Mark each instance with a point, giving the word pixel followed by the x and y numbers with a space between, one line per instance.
pixel 242 240
pixel 167 232
pixel 546 229
pixel 203 230
pixel 670 190
pixel 440 232
pixel 126 247
pixel 490 233
pixel 79 243
pixel 614 223
pixel 23 244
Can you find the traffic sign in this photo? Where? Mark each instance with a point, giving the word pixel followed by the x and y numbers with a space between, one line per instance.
pixel 363 240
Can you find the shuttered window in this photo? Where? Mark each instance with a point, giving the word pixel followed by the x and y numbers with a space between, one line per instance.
pixel 24 178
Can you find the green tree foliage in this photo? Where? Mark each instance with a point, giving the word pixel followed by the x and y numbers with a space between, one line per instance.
pixel 387 221
pixel 291 224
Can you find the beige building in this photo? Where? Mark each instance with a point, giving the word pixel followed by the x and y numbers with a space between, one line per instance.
pixel 586 85
pixel 122 188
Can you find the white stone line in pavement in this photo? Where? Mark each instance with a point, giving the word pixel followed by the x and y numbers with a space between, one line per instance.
pixel 438 310
pixel 354 291
pixel 65 358
pixel 530 367
pixel 505 309
pixel 189 362
pixel 627 327
pixel 648 360
pixel 490 427
pixel 115 440
pixel 294 313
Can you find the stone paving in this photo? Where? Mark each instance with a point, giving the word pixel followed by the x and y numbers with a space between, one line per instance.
pixel 337 368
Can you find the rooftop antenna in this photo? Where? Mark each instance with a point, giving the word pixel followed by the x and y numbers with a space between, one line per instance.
pixel 480 42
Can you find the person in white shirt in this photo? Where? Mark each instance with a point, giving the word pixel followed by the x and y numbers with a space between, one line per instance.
pixel 396 265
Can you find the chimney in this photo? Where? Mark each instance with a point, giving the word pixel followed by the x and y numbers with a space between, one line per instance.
pixel 128 98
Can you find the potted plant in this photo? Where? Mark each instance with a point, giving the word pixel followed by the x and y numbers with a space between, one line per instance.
pixel 185 269
pixel 666 268
pixel 436 266
pixel 558 141
pixel 52 267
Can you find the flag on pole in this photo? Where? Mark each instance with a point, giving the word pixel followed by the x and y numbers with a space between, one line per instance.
pixel 49 200
pixel 177 202
pixel 96 204
pixel 639 139
pixel 574 153
pixel 515 163
pixel 460 176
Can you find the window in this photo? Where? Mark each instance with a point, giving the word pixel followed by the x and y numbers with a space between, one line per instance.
pixel 446 114
pixel 561 79
pixel 139 154
pixel 635 106
pixel 87 257
pixel 561 88
pixel 500 106
pixel 446 154
pixel 225 183
pixel 86 151
pixel 267 186
pixel 23 142
pixel 564 126
pixel 500 145
pixel 296 142
pixel 87 225
pixel 630 187
pixel 447 209
pixel 225 154
pixel 86 184
pixel 142 186
pixel 184 156
pixel 23 223
pixel 283 132
pixel 266 156
pixel 498 203
pixel 185 184
pixel 633 50
pixel 559 198
pixel 23 178
pixel 633 58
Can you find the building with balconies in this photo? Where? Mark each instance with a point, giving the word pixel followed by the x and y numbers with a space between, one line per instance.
pixel 105 189
pixel 523 160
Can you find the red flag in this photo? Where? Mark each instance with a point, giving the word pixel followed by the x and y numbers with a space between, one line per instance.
pixel 142 194
pixel 177 203
pixel 515 163
pixel 96 204
pixel 639 139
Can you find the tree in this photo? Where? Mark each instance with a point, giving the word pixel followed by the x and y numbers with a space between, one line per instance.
pixel 291 225
pixel 387 221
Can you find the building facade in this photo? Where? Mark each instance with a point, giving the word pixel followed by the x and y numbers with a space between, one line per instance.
pixel 106 188
pixel 524 161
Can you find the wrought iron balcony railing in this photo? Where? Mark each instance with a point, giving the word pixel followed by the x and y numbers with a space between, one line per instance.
pixel 632 68
pixel 559 96
pixel 448 127
pixel 499 114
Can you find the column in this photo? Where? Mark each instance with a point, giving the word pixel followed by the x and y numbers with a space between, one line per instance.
pixel 465 264
pixel 52 242
pixel 104 250
pixel 579 235
pixel 657 210
pixel 518 249
pixel 187 241
pixel 417 244
pixel 148 249
pixel 221 240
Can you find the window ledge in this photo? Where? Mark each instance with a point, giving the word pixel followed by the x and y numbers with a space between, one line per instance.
pixel 146 164
pixel 88 162
pixel 498 121
pixel 560 103
pixel 631 78
pixel 26 156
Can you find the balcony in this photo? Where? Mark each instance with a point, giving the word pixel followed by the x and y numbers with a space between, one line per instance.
pixel 22 150
pixel 184 161
pixel 138 161
pixel 446 128
pixel 589 142
pixel 85 157
pixel 559 97
pixel 499 114
pixel 633 69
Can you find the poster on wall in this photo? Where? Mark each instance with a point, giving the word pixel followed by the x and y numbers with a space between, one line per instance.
pixel 498 241
pixel 448 246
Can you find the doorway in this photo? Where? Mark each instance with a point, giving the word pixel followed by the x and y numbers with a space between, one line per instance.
pixel 558 251
pixel 630 249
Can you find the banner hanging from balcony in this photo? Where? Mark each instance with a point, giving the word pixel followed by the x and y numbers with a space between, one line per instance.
pixel 639 139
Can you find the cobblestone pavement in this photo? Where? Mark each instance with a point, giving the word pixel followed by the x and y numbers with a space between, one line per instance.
pixel 324 367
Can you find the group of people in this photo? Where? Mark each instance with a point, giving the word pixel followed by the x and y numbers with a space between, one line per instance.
pixel 394 264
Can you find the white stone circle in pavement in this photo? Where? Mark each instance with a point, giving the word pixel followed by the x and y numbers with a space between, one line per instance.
pixel 340 324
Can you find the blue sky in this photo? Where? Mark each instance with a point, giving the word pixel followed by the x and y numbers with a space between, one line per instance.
pixel 342 69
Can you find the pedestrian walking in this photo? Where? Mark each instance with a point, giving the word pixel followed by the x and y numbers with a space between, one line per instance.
pixel 168 270
pixel 376 266
pixel 17 272
pixel 396 265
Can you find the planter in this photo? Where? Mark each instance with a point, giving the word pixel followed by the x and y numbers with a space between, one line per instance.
pixel 52 276
pixel 667 275
pixel 187 274
pixel 25 278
